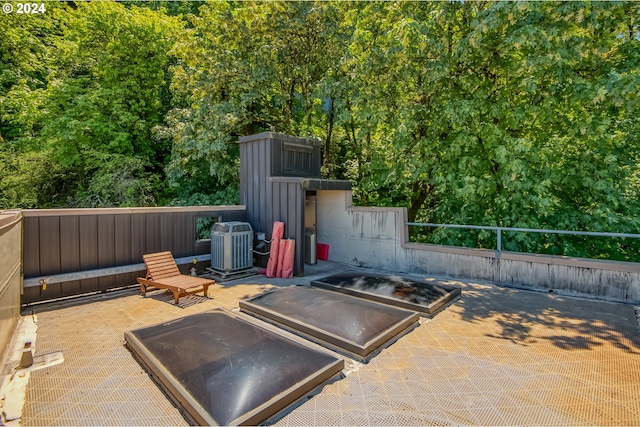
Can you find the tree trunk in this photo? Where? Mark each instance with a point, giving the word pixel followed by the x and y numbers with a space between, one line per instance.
pixel 327 144
pixel 420 193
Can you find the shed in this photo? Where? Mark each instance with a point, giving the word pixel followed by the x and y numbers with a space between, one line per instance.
pixel 279 181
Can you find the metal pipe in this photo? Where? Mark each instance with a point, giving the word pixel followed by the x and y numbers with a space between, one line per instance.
pixel 528 230
pixel 499 231
pixel 475 227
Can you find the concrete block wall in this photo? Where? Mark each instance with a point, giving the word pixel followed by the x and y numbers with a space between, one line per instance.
pixel 378 238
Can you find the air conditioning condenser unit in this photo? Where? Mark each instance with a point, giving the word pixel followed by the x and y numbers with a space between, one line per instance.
pixel 231 246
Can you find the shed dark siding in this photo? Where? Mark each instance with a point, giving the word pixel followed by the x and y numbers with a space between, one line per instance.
pixel 76 240
pixel 276 170
pixel 290 210
pixel 271 167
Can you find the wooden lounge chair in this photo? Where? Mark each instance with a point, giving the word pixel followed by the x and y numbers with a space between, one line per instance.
pixel 163 273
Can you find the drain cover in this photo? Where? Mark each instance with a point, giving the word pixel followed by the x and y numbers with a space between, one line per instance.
pixel 345 323
pixel 395 290
pixel 222 369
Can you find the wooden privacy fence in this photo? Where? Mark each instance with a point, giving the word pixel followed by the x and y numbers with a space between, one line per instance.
pixel 76 251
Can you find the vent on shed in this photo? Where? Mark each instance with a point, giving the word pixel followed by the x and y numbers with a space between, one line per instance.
pixel 231 246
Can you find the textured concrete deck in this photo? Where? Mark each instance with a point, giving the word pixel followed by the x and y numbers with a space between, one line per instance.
pixel 496 356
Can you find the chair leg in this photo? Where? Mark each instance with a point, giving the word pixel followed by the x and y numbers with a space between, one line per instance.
pixel 206 290
pixel 176 295
pixel 143 290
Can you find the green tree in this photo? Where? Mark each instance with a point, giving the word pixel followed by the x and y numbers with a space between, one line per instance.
pixel 491 113
pixel 82 89
pixel 28 177
pixel 112 88
pixel 545 99
pixel 513 114
pixel 244 68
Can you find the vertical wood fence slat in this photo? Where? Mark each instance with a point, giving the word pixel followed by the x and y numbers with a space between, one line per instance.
pixel 138 236
pixel 50 245
pixel 183 223
pixel 166 231
pixel 106 248
pixel 122 242
pixel 153 233
pixel 69 244
pixel 69 254
pixel 31 245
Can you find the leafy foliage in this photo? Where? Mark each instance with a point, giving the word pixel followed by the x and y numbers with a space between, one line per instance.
pixel 500 114
pixel 517 114
pixel 107 85
pixel 244 68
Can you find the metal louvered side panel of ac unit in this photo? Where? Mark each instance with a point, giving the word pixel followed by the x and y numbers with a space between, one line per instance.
pixel 217 251
pixel 242 245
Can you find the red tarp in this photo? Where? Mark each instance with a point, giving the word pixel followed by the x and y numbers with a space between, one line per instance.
pixel 287 264
pixel 281 249
pixel 278 232
pixel 282 254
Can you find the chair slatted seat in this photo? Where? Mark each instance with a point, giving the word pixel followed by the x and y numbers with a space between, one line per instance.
pixel 163 273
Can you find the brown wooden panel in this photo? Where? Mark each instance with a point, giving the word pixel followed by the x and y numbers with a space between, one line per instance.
pixel 106 248
pixel 167 224
pixel 88 242
pixel 265 192
pixel 299 232
pixel 249 187
pixel 183 234
pixel 296 223
pixel 106 283
pixel 106 241
pixel 255 188
pixel 267 224
pixel 89 285
pixel 274 208
pixel 190 228
pixel 69 244
pixel 70 288
pixel 127 279
pixel 202 249
pixel 233 216
pixel 275 147
pixel 243 173
pixel 258 181
pixel 49 245
pixel 292 209
pixel 185 268
pixel 31 248
pixel 31 295
pixel 152 229
pixel 53 291
pixel 123 240
pixel 284 206
pixel 138 237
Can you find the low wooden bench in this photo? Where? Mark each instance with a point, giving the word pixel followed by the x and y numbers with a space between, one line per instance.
pixel 163 273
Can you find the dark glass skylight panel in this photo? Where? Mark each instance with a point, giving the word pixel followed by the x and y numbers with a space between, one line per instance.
pixel 344 323
pixel 223 369
pixel 426 298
